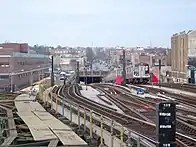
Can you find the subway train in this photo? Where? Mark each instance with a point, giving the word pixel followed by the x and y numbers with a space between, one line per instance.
pixel 135 74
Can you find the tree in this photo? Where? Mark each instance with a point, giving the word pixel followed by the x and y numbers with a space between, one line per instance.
pixel 40 49
pixel 90 54
pixel 59 47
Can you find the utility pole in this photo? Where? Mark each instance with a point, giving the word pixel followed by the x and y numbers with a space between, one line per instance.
pixel 124 69
pixel 77 73
pixel 52 72
pixel 91 64
pixel 86 78
pixel 159 72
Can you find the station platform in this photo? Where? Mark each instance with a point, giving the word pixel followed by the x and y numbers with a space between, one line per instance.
pixel 44 126
pixel 92 94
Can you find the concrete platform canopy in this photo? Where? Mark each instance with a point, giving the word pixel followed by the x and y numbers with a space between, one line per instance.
pixel 44 126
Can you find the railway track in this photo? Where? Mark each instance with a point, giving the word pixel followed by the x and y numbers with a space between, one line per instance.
pixel 147 129
pixel 61 95
pixel 184 86
pixel 188 103
pixel 142 106
pixel 182 126
pixel 133 123
pixel 126 106
pixel 136 125
pixel 179 97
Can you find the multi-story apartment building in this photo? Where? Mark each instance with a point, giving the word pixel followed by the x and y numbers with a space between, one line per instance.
pixel 19 68
pixel 183 46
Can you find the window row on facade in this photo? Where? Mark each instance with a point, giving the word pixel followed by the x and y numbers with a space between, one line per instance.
pixel 31 63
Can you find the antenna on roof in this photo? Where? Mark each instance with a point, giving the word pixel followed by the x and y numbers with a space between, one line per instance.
pixel 150 44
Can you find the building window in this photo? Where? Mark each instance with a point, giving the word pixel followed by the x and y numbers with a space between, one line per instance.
pixel 20 76
pixel 4 64
pixel 4 77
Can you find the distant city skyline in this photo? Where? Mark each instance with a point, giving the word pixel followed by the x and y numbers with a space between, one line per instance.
pixel 95 22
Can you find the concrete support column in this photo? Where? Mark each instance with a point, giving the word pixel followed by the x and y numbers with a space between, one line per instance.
pixel 31 78
pixel 39 74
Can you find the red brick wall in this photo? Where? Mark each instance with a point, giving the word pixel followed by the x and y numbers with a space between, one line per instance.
pixel 16 47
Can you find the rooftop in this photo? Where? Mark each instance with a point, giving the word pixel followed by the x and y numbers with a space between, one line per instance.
pixel 18 54
pixel 184 32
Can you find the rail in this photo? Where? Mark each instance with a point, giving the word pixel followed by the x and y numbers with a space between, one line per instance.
pixel 181 86
pixel 182 126
pixel 107 114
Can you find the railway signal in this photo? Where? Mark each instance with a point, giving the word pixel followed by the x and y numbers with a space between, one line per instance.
pixel 166 124
pixel 124 69
pixel 159 72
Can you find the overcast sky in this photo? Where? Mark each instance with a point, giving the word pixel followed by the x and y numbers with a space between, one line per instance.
pixel 95 22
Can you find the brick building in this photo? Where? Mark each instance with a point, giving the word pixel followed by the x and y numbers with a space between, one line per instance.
pixel 183 46
pixel 18 68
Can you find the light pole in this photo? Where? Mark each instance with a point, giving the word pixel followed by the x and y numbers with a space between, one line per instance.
pixel 159 72
pixel 92 71
pixel 85 77
pixel 11 81
pixel 124 69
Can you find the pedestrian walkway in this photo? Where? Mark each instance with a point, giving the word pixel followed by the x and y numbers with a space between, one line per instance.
pixel 42 125
pixel 92 94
